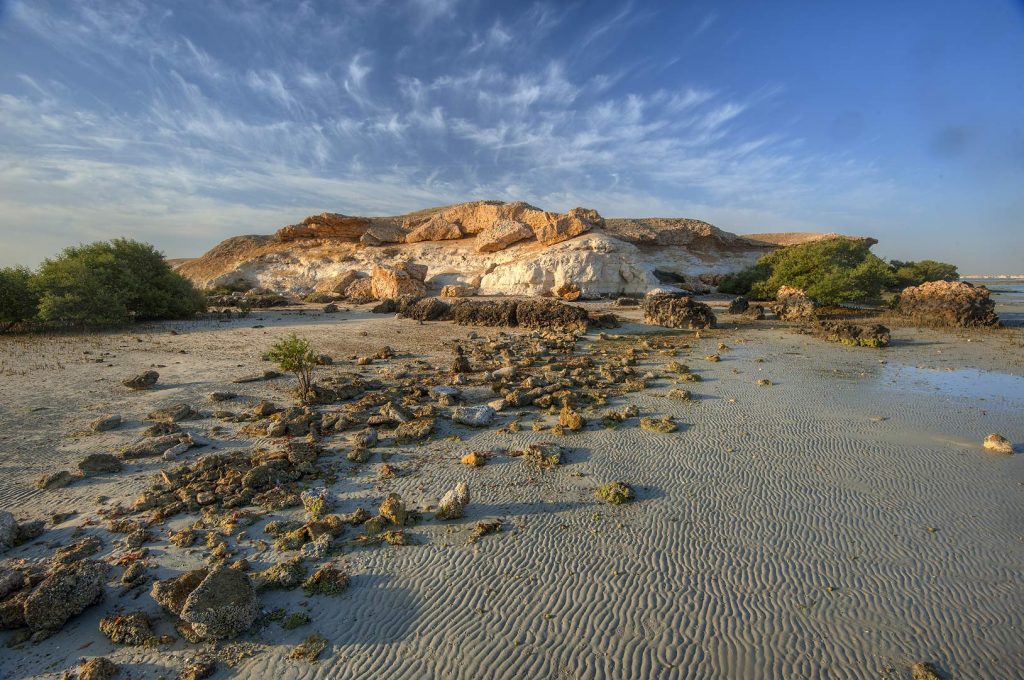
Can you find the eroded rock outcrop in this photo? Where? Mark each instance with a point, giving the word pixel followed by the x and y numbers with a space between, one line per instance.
pixel 325 225
pixel 792 304
pixel 493 247
pixel 676 310
pixel 948 303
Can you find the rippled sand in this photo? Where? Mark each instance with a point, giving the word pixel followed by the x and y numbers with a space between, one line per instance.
pixel 843 523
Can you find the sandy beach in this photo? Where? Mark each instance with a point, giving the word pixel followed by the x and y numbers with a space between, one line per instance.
pixel 843 522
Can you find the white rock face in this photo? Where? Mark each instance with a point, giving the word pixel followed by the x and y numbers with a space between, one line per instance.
pixel 600 264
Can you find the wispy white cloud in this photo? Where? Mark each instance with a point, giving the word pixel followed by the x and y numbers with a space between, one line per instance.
pixel 209 143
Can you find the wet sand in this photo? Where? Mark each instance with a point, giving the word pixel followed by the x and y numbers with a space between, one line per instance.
pixel 844 522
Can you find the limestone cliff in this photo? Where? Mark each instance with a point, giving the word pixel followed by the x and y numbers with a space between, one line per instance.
pixel 491 247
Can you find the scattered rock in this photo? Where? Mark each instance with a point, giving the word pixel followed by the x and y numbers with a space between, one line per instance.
pixel 875 335
pixel 97 668
pixel 198 668
pixel 924 671
pixel 326 581
pixel 127 629
pixel 543 455
pixel 105 423
pixel 150 447
pixel 414 430
pixel 222 606
pixel 173 414
pixel 676 310
pixel 329 308
pixel 64 594
pixel 287 575
pixel 310 649
pixel 55 480
pixel 997 443
pixel 393 509
pixel 948 304
pixel 473 459
pixel 570 419
pixel 222 396
pixel 8 531
pixel 143 381
pixel 664 424
pixel 453 504
pixel 473 416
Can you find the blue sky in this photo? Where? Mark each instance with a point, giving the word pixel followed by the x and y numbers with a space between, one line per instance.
pixel 182 123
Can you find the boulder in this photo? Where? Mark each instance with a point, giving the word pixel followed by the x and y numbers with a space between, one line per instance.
pixel 55 480
pixel 379 234
pixel 173 413
pixel 473 416
pixel 575 222
pixel 435 229
pixel 567 291
pixel 64 594
pixel 390 282
pixel 132 628
pixel 453 504
pixel 142 381
pixel 755 312
pixel 171 593
pixel 223 605
pixel 8 530
pixel 501 235
pixel 360 291
pixel 325 225
pixel 675 310
pixel 738 305
pixel 948 304
pixel 997 443
pixel 97 668
pixel 792 304
pixel 98 464
pixel 105 423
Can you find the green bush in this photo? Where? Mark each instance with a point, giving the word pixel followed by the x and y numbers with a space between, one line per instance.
pixel 111 282
pixel 831 271
pixel 18 298
pixel 916 273
pixel 295 355
pixel 741 282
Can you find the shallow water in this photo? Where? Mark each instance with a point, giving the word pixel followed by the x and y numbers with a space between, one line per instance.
pixel 962 382
pixel 1008 295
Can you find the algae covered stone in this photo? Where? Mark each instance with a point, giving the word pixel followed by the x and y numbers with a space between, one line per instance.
pixel 615 493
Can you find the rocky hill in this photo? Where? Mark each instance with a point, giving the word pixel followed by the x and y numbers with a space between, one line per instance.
pixel 485 248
